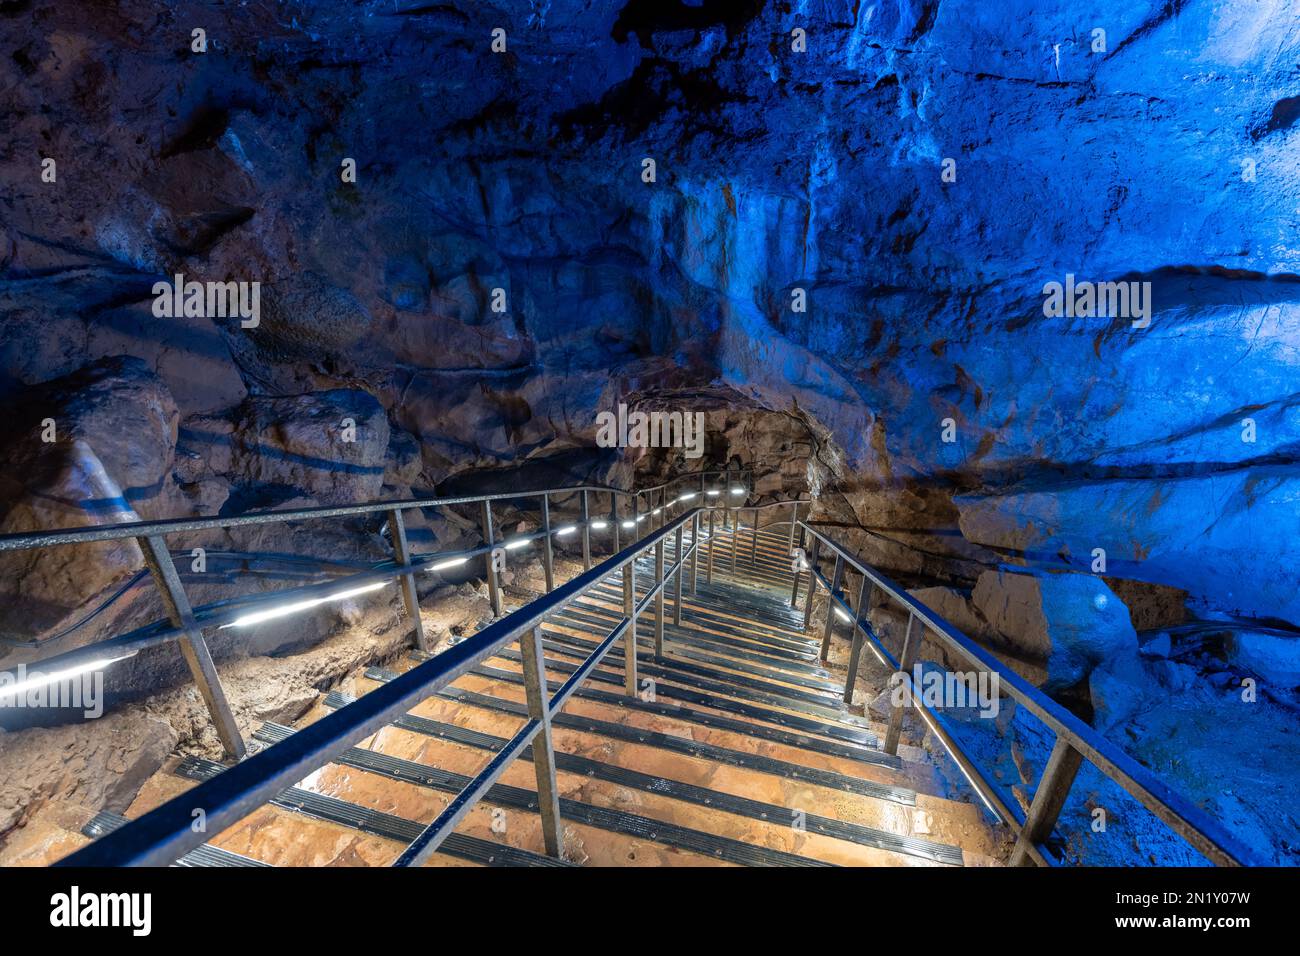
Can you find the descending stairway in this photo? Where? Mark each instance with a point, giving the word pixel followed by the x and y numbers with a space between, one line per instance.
pixel 738 750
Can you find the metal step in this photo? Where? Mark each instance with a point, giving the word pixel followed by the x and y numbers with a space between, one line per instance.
pixel 586 617
pixel 861 738
pixel 106 822
pixel 685 792
pixel 756 630
pixel 679 712
pixel 707 664
pixel 334 810
pixel 602 818
pixel 846 726
pixel 635 735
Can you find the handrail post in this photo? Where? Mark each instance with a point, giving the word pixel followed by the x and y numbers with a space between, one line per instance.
pixel 753 543
pixel 410 598
pixel 735 536
pixel 681 567
pixel 794 588
pixel 1049 798
pixel 726 499
pixel 548 557
pixel 613 518
pixel 860 613
pixel 794 523
pixel 911 650
pixel 695 553
pixel 659 598
pixel 708 568
pixel 836 579
pixel 539 709
pixel 629 636
pixel 489 562
pixel 193 646
pixel 812 580
pixel 586 534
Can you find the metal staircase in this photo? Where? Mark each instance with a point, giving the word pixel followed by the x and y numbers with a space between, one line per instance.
pixel 736 749
pixel 672 699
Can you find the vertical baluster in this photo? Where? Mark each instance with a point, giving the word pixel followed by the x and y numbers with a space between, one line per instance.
pixel 726 499
pixel 735 534
pixel 794 588
pixel 836 579
pixel 794 523
pixel 193 646
pixel 539 709
pixel 681 569
pixel 708 568
pixel 629 636
pixel 586 533
pixel 659 598
pixel 494 587
pixel 548 556
pixel 1053 787
pixel 695 553
pixel 861 611
pixel 613 519
pixel 911 650
pixel 410 598
pixel 812 581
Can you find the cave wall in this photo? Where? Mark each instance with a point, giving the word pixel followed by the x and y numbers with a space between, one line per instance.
pixel 1168 156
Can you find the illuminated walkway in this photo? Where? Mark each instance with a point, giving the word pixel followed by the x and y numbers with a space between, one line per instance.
pixel 737 750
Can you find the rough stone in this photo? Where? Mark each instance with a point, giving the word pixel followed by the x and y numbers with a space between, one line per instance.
pixel 87 474
pixel 1073 622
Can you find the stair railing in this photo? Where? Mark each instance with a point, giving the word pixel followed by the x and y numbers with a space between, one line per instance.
pixel 185 624
pixel 1075 740
pixel 167 832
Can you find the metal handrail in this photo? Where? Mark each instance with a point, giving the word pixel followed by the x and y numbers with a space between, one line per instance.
pixel 185 624
pixel 25 540
pixel 167 832
pixel 1075 740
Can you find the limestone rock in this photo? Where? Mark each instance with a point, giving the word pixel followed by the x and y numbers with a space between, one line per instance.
pixel 1073 622
pixel 330 445
pixel 1273 657
pixel 113 429
pixel 99 765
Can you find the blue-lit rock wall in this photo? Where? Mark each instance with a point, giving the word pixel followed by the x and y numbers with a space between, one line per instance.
pixel 915 173
pixel 1162 151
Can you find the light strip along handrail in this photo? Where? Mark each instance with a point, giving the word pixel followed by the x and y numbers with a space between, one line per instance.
pixel 186 625
pixel 427 843
pixel 166 833
pixel 156 633
pixel 1187 820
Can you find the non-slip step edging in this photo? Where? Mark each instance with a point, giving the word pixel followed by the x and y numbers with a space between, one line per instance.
pixel 377 823
pixel 649 738
pixel 105 822
pixel 863 740
pixel 788 738
pixel 686 793
pixel 603 818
